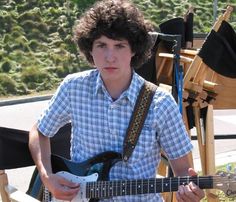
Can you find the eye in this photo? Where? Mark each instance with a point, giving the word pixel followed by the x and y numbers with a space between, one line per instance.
pixel 101 45
pixel 120 46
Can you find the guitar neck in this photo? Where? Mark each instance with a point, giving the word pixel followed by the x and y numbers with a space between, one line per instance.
pixel 104 189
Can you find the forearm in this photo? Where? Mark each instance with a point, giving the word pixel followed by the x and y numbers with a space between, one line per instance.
pixel 40 149
pixel 181 166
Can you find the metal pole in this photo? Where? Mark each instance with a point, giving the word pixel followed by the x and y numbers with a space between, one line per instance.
pixel 215 8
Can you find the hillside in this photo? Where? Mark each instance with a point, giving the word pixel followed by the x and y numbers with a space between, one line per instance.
pixel 36 44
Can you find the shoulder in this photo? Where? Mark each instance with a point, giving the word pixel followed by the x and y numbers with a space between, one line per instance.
pixel 84 77
pixel 81 76
pixel 164 102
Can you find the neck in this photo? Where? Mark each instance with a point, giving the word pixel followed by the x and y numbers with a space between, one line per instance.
pixel 103 189
pixel 116 87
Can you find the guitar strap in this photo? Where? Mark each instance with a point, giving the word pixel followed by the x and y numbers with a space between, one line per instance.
pixel 138 117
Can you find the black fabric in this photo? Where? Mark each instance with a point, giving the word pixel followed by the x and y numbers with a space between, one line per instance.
pixel 189 27
pixel 14 151
pixel 148 69
pixel 219 50
pixel 175 26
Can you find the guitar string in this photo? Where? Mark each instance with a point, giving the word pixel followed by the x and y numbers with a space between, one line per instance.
pixel 132 183
pixel 146 181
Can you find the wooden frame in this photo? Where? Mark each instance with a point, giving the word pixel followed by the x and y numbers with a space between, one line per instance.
pixel 10 193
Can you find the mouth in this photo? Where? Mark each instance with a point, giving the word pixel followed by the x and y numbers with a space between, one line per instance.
pixel 110 68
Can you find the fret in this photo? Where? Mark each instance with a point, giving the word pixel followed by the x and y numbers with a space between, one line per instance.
pixel 148 187
pixel 142 186
pixel 120 188
pixel 155 185
pixel 170 185
pixel 104 189
pixel 162 188
pixel 136 181
pixel 130 188
pixel 97 189
pixel 112 188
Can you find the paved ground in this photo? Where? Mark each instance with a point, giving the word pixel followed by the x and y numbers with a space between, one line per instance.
pixel 22 116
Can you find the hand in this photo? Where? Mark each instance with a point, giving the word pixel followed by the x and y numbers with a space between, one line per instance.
pixel 190 192
pixel 61 188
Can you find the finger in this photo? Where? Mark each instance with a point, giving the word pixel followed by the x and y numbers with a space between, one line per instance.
pixel 196 190
pixel 180 194
pixel 192 172
pixel 66 190
pixel 185 194
pixel 66 193
pixel 68 183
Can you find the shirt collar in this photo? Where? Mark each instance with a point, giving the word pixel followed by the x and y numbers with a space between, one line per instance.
pixel 133 91
pixel 99 83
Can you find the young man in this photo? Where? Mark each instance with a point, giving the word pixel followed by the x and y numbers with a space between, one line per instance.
pixel 99 103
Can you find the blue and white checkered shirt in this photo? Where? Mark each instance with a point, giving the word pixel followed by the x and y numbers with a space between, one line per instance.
pixel 99 124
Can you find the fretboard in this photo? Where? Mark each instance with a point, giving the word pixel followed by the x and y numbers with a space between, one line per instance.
pixel 105 189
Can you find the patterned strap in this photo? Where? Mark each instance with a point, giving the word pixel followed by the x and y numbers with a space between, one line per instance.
pixel 138 117
pixel 46 195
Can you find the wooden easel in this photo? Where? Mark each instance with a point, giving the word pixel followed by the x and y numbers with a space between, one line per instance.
pixel 195 83
pixel 199 83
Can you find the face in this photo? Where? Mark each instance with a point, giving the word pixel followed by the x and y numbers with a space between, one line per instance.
pixel 112 58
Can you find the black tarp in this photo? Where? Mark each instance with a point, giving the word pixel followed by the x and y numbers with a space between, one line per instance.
pixel 14 151
pixel 219 50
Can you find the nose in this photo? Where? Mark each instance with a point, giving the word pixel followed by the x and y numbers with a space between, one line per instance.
pixel 110 55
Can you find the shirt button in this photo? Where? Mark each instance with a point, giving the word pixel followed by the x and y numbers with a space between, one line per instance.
pixel 112 106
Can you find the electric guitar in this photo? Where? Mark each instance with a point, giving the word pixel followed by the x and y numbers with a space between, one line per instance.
pixel 92 175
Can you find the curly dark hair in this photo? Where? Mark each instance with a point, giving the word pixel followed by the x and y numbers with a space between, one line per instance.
pixel 115 19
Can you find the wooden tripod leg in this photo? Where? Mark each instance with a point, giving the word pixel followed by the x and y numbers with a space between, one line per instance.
pixel 201 139
pixel 3 184
pixel 210 151
pixel 192 70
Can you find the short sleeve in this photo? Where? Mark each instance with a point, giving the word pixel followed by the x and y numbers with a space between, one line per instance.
pixel 57 114
pixel 174 138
